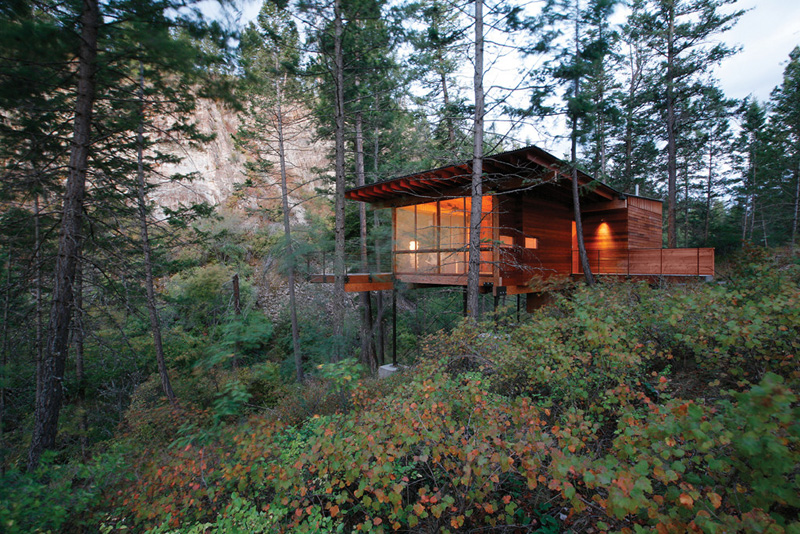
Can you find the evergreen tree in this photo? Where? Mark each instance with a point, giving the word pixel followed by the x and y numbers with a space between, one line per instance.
pixel 270 56
pixel 439 45
pixel 751 144
pixel 633 151
pixel 90 65
pixel 679 32
pixel 785 118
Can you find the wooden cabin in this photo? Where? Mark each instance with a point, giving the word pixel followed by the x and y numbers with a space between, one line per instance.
pixel 527 229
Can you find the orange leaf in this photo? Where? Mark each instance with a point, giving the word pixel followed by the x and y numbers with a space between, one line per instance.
pixel 334 510
pixel 686 500
pixel 715 499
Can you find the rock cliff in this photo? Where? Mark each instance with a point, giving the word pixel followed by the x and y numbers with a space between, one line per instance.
pixel 219 168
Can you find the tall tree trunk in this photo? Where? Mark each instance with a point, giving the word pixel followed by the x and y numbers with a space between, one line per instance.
pixel 451 131
pixel 749 188
pixel 48 406
pixel 376 223
pixel 796 206
pixel 237 302
pixel 338 226
pixel 474 268
pixel 287 230
pixel 686 205
pixel 4 363
pixel 576 199
pixel 37 265
pixel 672 150
pixel 78 335
pixel 155 325
pixel 367 347
pixel 709 184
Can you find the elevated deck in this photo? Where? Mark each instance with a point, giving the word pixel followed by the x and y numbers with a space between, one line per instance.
pixel 648 262
pixel 512 277
pixel 358 282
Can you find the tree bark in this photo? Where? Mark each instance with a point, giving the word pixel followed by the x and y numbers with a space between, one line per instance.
pixel 686 204
pixel 155 324
pixel 367 346
pixel 796 206
pixel 4 363
pixel 287 229
pixel 48 406
pixel 338 227
pixel 672 150
pixel 476 194
pixel 709 184
pixel 451 132
pixel 37 259
pixel 237 303
pixel 576 199
pixel 78 335
pixel 379 334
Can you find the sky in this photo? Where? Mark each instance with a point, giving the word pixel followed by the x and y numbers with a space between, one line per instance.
pixel 767 33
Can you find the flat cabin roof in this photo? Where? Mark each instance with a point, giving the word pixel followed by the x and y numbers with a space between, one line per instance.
pixel 519 169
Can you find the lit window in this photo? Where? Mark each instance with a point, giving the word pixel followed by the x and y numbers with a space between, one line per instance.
pixel 531 242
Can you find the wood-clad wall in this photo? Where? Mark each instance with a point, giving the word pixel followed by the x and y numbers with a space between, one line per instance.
pixel 644 223
pixel 605 230
pixel 551 223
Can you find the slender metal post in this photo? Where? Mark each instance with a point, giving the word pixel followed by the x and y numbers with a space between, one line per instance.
pixel 394 327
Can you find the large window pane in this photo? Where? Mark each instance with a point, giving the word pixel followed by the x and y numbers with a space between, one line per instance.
pixel 406 263
pixel 433 237
pixel 426 226
pixel 404 232
pixel 428 263
pixel 454 222
pixel 453 262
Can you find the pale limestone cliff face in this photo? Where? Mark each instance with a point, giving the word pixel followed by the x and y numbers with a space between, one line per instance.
pixel 219 167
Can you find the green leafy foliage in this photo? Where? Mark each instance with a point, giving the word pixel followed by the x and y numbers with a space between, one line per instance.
pixel 620 408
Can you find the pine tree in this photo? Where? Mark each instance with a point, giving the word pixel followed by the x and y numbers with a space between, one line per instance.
pixel 439 47
pixel 270 55
pixel 785 118
pixel 111 40
pixel 476 189
pixel 679 32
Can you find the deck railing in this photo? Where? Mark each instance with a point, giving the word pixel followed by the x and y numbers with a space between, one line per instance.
pixel 322 262
pixel 648 262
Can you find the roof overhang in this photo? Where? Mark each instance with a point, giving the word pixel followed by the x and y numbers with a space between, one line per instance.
pixel 514 170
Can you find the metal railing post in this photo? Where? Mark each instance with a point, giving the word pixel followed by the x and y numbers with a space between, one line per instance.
pixel 394 326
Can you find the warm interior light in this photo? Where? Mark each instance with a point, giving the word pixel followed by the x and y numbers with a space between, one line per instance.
pixel 412 245
pixel 604 238
pixel 531 242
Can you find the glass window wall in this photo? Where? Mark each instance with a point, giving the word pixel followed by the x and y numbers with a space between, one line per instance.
pixel 432 238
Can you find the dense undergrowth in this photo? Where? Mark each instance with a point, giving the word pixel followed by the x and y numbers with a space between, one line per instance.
pixel 618 408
